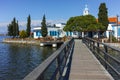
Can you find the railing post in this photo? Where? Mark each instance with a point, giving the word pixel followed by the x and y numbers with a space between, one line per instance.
pixel 68 47
pixel 105 56
pixel 88 43
pixel 83 40
pixel 98 52
pixel 93 46
pixel 58 66
pixel 98 46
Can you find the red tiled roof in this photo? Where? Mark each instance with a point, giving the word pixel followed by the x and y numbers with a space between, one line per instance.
pixel 112 19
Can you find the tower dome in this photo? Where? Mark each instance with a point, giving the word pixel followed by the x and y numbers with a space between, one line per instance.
pixel 86 10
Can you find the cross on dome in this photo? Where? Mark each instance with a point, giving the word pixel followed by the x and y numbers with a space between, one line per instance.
pixel 86 6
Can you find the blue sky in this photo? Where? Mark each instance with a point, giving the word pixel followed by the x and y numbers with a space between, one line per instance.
pixel 53 9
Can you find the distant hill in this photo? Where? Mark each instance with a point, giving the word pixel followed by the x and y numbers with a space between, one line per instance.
pixel 2 34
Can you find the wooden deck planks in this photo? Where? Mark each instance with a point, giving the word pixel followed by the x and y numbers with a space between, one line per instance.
pixel 85 66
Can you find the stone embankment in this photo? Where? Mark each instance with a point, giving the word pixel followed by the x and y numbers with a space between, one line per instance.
pixel 114 44
pixel 22 41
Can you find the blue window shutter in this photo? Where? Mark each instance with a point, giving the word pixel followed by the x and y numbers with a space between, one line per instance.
pixel 55 33
pixel 70 33
pixel 51 33
pixel 67 33
pixel 36 33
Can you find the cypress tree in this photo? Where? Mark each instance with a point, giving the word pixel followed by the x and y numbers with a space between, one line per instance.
pixel 103 15
pixel 13 28
pixel 28 30
pixel 10 30
pixel 44 27
pixel 17 29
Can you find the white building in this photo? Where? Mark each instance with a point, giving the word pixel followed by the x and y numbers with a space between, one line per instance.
pixel 113 27
pixel 55 32
pixel 62 33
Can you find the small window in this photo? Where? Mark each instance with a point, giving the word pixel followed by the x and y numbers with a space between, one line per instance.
pixel 74 33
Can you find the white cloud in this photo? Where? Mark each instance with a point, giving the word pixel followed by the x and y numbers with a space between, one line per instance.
pixel 4 24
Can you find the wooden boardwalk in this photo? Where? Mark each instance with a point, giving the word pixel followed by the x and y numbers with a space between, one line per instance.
pixel 85 66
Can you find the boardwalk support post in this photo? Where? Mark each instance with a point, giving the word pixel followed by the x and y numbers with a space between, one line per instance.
pixel 105 56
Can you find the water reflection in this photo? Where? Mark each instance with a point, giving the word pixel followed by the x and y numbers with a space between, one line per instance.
pixel 18 60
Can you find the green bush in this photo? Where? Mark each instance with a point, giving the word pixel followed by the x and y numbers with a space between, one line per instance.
pixel 23 34
pixel 114 39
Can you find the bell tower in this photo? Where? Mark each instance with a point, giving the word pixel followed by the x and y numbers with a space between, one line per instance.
pixel 86 11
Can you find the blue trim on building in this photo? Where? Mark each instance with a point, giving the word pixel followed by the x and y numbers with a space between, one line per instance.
pixel 67 34
pixel 38 33
pixel 113 30
pixel 118 31
pixel 53 33
pixel 50 33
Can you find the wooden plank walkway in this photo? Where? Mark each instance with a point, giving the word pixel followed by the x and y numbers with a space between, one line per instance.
pixel 85 66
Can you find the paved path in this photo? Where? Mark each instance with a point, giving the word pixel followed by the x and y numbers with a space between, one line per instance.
pixel 85 66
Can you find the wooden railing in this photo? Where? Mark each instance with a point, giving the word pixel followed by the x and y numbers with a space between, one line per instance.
pixel 108 56
pixel 55 67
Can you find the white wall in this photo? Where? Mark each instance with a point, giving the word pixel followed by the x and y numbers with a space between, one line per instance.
pixel 113 28
pixel 34 34
pixel 108 30
pixel 59 28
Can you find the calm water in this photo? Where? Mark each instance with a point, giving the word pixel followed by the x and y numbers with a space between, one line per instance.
pixel 17 60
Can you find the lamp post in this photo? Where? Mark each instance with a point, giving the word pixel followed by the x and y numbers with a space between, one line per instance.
pixel 117 26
